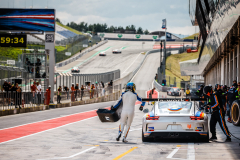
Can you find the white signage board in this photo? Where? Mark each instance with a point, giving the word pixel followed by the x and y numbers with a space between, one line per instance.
pixel 12 62
pixel 68 53
pixel 85 45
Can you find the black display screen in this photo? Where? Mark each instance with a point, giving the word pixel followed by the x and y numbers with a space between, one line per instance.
pixel 8 40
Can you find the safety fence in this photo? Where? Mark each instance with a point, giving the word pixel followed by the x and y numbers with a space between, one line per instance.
pixel 75 57
pixel 18 99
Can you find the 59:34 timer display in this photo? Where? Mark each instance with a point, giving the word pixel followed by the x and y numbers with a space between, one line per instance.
pixel 13 40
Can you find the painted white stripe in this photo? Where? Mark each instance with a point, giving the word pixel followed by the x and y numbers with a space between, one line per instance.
pixel 191 151
pixel 132 62
pixel 72 155
pixel 173 152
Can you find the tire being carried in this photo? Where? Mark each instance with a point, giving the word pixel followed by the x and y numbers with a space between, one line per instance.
pixel 235 113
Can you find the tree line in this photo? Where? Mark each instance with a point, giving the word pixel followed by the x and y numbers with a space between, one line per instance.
pixel 97 27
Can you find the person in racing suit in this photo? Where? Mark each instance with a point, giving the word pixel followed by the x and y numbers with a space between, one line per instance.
pixel 232 96
pixel 128 98
pixel 199 93
pixel 217 114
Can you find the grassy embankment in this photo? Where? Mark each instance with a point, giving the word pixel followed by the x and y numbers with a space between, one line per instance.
pixel 70 29
pixel 192 36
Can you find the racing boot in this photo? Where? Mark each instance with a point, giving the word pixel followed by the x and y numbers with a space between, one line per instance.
pixel 119 136
pixel 124 140
pixel 228 139
pixel 213 138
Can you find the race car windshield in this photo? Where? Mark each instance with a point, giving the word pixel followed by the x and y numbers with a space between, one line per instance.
pixel 174 107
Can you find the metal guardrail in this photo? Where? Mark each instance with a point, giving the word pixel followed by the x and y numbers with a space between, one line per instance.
pixel 75 57
pixel 66 79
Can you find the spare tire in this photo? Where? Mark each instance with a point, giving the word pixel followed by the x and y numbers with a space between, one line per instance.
pixel 235 113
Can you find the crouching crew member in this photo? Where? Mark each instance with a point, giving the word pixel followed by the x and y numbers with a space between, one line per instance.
pixel 128 98
pixel 217 114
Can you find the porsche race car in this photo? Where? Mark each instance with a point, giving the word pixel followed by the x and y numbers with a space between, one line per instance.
pixel 175 120
pixel 116 51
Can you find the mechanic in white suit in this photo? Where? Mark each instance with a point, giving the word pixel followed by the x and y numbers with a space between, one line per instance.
pixel 128 98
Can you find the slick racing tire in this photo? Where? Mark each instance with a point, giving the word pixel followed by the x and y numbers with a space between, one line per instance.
pixel 145 139
pixel 235 113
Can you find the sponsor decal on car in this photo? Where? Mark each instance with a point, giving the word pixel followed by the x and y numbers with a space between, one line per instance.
pixel 147 133
pixel 203 133
pixel 189 126
pixel 174 109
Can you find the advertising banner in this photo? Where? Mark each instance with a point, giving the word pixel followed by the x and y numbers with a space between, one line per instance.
pixel 128 36
pixel 164 23
pixel 27 19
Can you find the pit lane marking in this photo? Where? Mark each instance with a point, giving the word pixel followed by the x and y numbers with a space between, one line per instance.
pixel 120 156
pixel 132 63
pixel 190 152
pixel 72 155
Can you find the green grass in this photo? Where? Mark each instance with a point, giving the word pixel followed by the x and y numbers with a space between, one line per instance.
pixel 192 36
pixel 60 48
pixel 173 61
pixel 10 52
pixel 69 28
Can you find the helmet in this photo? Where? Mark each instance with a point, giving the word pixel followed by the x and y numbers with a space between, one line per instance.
pixel 216 85
pixel 207 90
pixel 131 86
pixel 235 85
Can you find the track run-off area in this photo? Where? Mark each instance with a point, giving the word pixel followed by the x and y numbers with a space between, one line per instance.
pixel 76 133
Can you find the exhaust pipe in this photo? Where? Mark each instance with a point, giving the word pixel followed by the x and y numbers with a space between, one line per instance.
pixel 176 134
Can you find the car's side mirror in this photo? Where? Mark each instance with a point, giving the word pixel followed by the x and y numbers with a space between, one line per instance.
pixel 146 110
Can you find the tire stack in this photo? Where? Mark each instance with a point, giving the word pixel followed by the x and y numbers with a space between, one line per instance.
pixel 235 113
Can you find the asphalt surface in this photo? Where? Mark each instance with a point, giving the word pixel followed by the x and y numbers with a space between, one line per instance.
pixel 91 139
pixel 126 61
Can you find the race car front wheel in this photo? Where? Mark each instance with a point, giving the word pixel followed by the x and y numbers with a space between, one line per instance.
pixel 235 113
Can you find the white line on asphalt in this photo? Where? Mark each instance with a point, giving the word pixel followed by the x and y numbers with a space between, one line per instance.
pixel 132 63
pixel 46 130
pixel 173 152
pixel 191 151
pixel 72 155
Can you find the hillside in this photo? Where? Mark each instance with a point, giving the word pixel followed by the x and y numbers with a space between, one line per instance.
pixel 173 66
pixel 69 28
pixel 192 36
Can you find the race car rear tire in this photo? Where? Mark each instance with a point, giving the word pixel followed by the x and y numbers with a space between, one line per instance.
pixel 235 113
pixel 145 139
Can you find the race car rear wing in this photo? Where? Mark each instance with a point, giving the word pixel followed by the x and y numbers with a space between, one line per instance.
pixel 174 99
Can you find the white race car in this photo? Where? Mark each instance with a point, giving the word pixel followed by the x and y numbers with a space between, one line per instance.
pixel 116 51
pixel 102 54
pixel 75 70
pixel 175 120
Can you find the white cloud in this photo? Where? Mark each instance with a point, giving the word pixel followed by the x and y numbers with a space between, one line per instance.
pixel 172 6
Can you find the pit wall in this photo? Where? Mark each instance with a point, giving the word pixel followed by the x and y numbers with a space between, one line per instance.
pixel 111 97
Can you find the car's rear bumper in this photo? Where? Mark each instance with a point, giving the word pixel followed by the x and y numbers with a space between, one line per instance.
pixel 175 134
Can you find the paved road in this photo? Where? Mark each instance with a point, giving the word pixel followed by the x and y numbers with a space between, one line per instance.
pixel 127 61
pixel 91 139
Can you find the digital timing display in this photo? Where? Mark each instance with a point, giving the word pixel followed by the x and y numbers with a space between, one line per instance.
pixel 13 40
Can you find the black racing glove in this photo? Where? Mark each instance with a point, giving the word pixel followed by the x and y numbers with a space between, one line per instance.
pixel 141 108
pixel 112 108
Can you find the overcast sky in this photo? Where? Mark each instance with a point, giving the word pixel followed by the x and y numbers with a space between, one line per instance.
pixel 147 14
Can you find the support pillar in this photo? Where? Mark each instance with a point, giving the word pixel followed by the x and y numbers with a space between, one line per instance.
pixel 50 47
